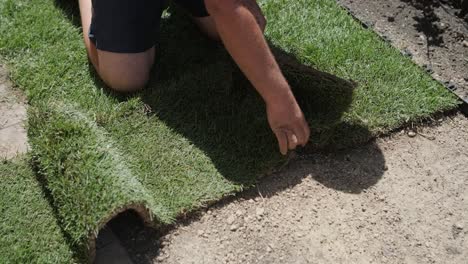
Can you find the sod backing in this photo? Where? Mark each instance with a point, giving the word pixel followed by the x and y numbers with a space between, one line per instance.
pixel 198 132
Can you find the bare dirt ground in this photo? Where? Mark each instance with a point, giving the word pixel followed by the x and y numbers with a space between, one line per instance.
pixel 427 30
pixel 12 116
pixel 401 199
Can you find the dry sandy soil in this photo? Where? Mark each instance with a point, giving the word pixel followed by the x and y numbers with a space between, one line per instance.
pixel 427 30
pixel 400 199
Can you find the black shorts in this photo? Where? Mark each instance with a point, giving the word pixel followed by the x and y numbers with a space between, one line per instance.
pixel 132 26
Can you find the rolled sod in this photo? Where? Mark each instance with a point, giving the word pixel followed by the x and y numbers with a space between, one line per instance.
pixel 29 232
pixel 198 132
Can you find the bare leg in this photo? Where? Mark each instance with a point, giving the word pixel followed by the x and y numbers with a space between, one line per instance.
pixel 85 12
pixel 123 72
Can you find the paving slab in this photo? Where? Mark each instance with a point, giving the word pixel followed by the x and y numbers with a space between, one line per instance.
pixel 110 250
pixel 13 136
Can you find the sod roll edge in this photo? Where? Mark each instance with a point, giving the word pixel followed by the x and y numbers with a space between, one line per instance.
pixel 29 231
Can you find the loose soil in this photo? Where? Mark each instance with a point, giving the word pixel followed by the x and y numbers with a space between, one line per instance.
pixel 428 30
pixel 401 199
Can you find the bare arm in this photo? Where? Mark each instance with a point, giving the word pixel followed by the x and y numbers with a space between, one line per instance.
pixel 242 36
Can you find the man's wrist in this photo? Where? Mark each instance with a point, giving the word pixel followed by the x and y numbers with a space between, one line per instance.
pixel 279 95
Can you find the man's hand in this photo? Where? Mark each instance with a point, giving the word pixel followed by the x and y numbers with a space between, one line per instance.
pixel 240 26
pixel 288 123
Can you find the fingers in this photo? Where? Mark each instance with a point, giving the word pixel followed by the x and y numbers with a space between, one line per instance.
pixel 292 139
pixel 282 141
pixel 301 135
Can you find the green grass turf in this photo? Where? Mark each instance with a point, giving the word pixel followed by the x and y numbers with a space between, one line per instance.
pixel 29 232
pixel 198 132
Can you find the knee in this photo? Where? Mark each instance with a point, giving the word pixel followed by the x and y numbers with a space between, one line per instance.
pixel 131 80
pixel 125 72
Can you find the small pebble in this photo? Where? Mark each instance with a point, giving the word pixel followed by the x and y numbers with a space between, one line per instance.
pixel 465 43
pixel 428 68
pixel 458 226
pixel 407 52
pixel 230 220
pixel 411 133
pixel 234 227
pixel 259 211
pixel 368 24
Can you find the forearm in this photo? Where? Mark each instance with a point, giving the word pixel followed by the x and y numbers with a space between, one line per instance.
pixel 242 36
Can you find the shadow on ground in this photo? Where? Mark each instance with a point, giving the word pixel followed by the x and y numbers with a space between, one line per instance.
pixel 350 171
pixel 223 98
pixel 429 22
pixel 198 91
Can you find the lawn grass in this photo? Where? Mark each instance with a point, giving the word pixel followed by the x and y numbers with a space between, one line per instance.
pixel 198 132
pixel 29 232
